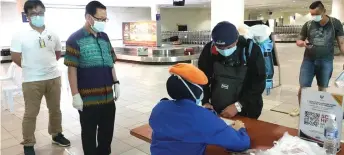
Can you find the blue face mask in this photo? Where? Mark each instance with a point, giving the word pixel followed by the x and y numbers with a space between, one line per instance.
pixel 226 52
pixel 317 18
pixel 37 21
pixel 198 100
pixel 98 26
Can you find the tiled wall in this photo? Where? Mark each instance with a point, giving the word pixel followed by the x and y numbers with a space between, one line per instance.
pixel 195 18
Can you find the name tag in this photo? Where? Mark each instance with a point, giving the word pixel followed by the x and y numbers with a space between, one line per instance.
pixel 42 43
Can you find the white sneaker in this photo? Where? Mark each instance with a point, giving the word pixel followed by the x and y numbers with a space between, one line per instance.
pixel 295 112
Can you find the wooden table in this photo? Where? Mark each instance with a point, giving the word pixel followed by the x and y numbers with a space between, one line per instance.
pixel 262 135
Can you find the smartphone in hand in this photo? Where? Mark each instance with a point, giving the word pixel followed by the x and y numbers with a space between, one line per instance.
pixel 309 45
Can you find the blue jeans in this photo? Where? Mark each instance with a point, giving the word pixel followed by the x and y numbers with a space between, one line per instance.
pixel 321 69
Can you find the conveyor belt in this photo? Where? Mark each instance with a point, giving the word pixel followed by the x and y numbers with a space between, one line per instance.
pixel 157 59
pixel 165 54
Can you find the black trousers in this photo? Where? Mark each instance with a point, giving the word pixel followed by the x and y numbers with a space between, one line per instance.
pixel 103 118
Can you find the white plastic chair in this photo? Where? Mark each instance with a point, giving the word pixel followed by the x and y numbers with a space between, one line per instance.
pixel 14 76
pixel 64 77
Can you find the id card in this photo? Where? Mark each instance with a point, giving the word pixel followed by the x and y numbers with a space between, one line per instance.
pixel 41 43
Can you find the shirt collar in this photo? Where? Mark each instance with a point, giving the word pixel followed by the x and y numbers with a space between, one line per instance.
pixel 86 33
pixel 31 29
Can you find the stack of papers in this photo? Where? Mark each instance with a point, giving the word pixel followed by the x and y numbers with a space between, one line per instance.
pixel 228 121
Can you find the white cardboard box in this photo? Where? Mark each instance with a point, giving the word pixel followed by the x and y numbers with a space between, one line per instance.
pixel 314 113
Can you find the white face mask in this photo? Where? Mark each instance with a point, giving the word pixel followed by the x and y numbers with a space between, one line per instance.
pixel 198 100
pixel 317 18
pixel 98 26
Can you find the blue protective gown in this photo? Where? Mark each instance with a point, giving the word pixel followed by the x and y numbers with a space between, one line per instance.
pixel 183 128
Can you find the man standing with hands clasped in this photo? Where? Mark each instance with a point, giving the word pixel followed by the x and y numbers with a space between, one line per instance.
pixel 90 59
pixel 37 50
pixel 235 68
pixel 318 38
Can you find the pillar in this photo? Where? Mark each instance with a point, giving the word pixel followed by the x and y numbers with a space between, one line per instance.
pixel 155 16
pixel 155 11
pixel 20 5
pixel 20 9
pixel 227 10
pixel 337 9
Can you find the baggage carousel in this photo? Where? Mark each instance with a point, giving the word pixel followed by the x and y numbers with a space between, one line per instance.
pixel 167 53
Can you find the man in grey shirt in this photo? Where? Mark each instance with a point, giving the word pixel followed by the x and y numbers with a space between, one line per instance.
pixel 318 37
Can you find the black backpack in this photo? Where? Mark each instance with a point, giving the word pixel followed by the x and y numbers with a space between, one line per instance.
pixel 227 79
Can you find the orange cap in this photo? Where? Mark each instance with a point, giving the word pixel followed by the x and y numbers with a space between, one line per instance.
pixel 190 73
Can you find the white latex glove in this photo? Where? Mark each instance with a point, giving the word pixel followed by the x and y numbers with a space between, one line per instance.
pixel 116 91
pixel 77 102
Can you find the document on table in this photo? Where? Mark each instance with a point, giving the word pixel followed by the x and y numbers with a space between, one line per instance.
pixel 227 121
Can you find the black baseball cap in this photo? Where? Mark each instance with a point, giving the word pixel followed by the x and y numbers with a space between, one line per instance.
pixel 224 34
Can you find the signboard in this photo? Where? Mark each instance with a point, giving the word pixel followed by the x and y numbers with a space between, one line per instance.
pixel 157 17
pixel 24 18
pixel 140 33
pixel 315 110
pixel 178 2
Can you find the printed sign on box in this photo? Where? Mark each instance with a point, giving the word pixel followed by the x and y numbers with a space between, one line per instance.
pixel 315 110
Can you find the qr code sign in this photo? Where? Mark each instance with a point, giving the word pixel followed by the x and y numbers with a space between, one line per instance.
pixel 312 118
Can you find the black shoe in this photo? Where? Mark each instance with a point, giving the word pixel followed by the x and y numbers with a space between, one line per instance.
pixel 60 140
pixel 29 150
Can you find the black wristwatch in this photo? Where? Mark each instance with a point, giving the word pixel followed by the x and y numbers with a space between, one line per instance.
pixel 116 82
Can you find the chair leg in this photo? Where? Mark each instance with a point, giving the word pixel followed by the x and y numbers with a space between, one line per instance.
pixel 3 99
pixel 10 101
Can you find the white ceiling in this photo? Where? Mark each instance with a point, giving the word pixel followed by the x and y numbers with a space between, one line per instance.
pixel 258 6
pixel 251 5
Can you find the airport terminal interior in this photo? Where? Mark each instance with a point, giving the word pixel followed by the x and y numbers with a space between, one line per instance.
pixel 143 71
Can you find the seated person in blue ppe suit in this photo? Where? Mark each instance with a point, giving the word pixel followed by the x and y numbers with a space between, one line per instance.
pixel 181 126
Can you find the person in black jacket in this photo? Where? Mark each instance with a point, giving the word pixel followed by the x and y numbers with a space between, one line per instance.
pixel 236 74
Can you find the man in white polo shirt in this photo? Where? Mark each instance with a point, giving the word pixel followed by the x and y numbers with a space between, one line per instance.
pixel 37 50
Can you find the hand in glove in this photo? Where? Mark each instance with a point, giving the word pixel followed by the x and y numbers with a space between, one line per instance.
pixel 116 91
pixel 77 102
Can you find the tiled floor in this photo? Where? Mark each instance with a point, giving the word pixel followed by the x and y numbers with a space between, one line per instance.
pixel 141 87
